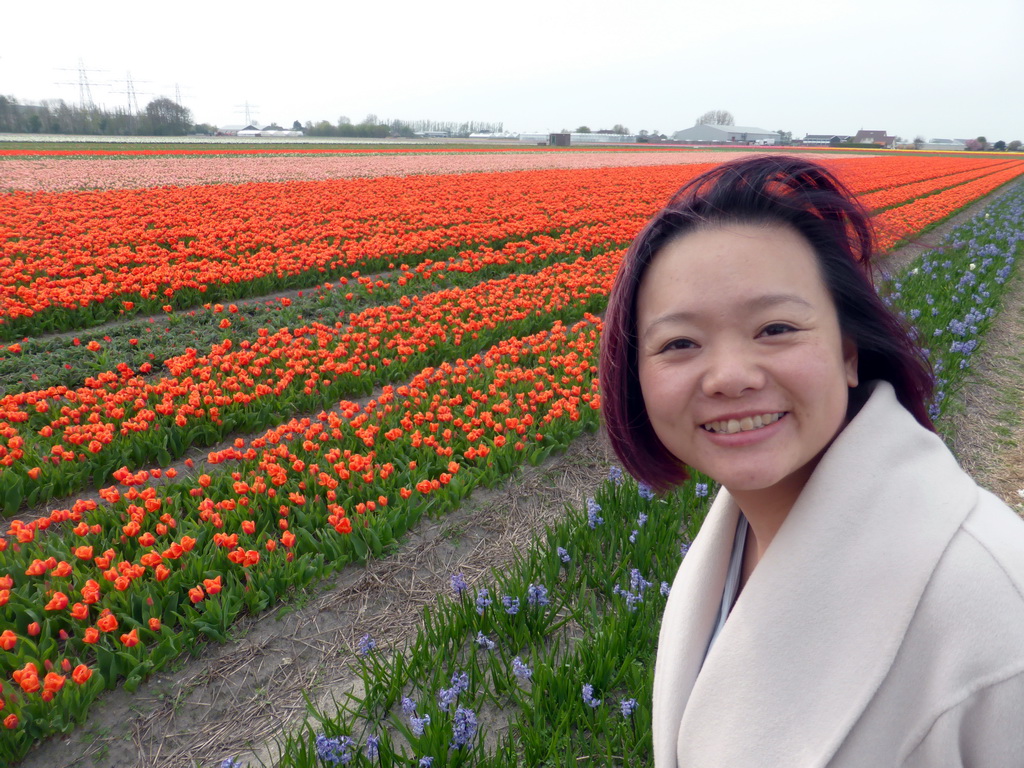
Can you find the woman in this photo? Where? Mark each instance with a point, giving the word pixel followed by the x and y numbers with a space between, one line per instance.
pixel 853 598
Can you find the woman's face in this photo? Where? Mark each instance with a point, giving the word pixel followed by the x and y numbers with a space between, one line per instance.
pixel 742 365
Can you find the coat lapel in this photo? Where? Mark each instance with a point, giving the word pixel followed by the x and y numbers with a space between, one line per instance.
pixel 819 623
pixel 686 626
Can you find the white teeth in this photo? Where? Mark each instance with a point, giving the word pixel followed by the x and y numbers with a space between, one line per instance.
pixel 747 423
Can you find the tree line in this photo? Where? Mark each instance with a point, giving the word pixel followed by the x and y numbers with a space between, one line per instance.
pixel 373 127
pixel 161 117
pixel 164 117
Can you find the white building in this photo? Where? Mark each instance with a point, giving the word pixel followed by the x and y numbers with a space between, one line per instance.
pixel 953 145
pixel 581 138
pixel 727 134
pixel 252 131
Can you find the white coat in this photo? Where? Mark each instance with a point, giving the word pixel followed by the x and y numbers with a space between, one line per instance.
pixel 883 626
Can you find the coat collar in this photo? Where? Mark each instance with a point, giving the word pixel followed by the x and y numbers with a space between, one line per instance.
pixel 818 625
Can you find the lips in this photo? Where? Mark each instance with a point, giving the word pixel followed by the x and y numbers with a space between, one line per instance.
pixel 745 424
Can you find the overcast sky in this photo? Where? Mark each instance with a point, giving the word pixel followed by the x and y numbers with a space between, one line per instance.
pixel 938 68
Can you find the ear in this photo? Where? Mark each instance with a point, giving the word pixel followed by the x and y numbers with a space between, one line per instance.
pixel 850 361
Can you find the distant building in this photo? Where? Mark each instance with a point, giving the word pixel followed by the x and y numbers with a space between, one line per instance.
pixel 580 138
pixel 824 139
pixel 254 132
pixel 881 138
pixel 727 134
pixel 232 130
pixel 952 145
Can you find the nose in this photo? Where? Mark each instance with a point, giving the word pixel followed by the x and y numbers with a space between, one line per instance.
pixel 732 370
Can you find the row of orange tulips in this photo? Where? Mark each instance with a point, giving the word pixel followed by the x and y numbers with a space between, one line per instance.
pixel 74 437
pixel 112 591
pixel 71 260
pixel 898 223
pixel 54 441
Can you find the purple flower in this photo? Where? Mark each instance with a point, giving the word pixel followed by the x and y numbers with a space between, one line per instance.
pixel 511 604
pixel 628 707
pixel 334 751
pixel 588 696
pixel 447 696
pixel 701 490
pixel 459 584
pixel 593 519
pixel 426 762
pixel 520 670
pixel 563 554
pixel 637 582
pixel 408 706
pixel 463 727
pixel 372 747
pixel 645 491
pixel 615 475
pixel 537 595
pixel 418 724
pixel 484 642
pixel 483 599
pixel 366 644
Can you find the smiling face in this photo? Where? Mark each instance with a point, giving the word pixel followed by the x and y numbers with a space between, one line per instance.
pixel 742 365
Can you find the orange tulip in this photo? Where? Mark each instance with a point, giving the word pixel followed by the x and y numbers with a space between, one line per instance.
pixel 130 639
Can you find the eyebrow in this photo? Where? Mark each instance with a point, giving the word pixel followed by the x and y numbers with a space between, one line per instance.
pixel 764 301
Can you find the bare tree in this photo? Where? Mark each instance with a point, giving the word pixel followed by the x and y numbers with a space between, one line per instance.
pixel 716 117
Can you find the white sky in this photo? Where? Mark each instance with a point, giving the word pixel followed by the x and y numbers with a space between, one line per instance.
pixel 938 68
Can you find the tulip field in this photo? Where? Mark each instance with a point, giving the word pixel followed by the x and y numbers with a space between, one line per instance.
pixel 356 347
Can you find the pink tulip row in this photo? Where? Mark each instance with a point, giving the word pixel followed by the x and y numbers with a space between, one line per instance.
pixel 62 174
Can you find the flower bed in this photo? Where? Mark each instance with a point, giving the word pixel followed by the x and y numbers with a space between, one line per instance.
pixel 98 595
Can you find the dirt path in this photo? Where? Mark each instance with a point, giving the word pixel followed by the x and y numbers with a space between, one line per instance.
pixel 190 714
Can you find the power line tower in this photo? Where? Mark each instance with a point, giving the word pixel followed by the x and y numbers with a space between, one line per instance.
pixel 84 91
pixel 132 94
pixel 132 97
pixel 247 108
pixel 84 86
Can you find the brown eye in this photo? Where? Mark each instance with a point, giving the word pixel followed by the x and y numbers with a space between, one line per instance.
pixel 776 329
pixel 679 344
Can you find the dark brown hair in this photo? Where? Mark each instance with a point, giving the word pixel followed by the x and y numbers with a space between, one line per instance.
pixel 779 190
